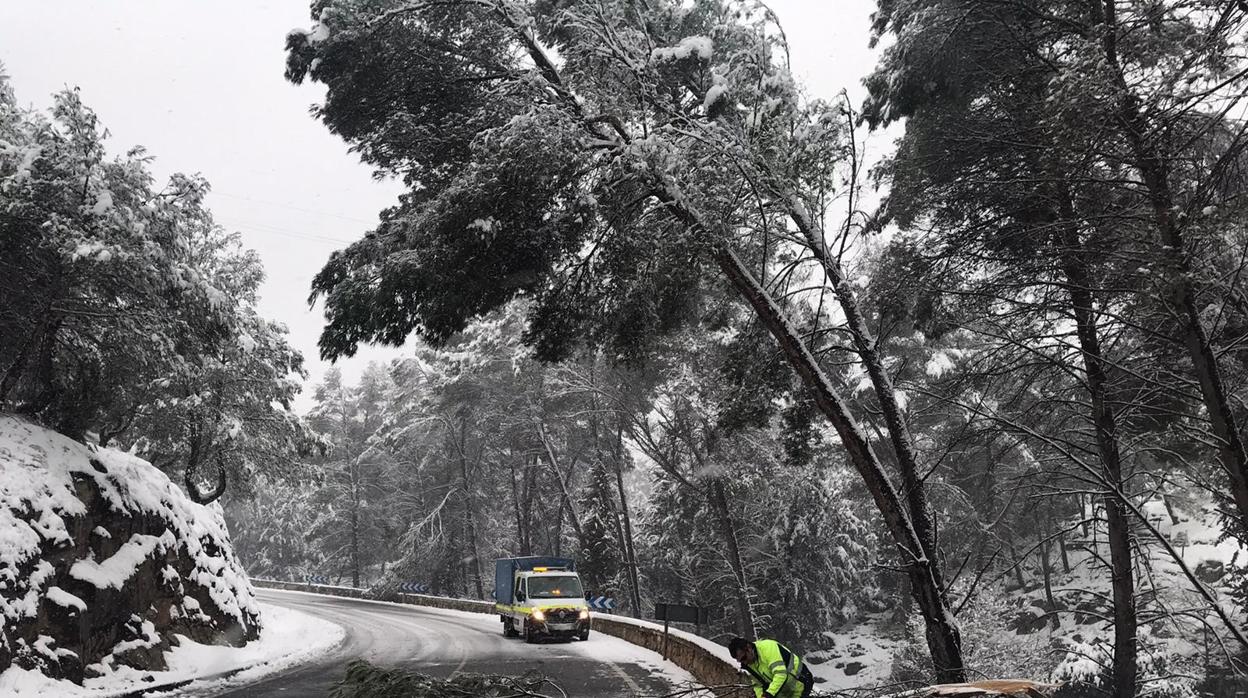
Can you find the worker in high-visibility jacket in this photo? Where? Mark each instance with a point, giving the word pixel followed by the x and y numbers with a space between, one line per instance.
pixel 777 671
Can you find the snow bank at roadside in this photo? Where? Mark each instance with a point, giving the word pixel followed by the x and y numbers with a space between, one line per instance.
pixel 289 638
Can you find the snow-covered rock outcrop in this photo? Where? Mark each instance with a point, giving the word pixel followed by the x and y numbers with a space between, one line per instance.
pixel 103 560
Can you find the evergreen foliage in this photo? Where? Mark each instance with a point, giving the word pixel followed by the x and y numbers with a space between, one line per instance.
pixel 622 189
pixel 1002 367
pixel 126 313
pixel 364 680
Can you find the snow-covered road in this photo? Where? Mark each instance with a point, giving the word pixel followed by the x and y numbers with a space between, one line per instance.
pixel 443 643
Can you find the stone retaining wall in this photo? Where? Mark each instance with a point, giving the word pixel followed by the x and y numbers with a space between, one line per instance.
pixel 711 671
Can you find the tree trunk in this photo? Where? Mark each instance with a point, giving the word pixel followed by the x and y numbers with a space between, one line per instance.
pixel 718 500
pixel 470 524
pixel 1231 452
pixel 1174 255
pixel 16 367
pixel 557 534
pixel 530 486
pixel 1061 546
pixel 1174 517
pixel 44 390
pixel 515 504
pixel 565 499
pixel 1046 568
pixel 619 516
pixel 913 486
pixel 355 525
pixel 1018 565
pixel 943 637
pixel 1125 669
pixel 630 551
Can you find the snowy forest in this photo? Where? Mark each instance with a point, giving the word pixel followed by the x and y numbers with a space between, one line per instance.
pixel 946 385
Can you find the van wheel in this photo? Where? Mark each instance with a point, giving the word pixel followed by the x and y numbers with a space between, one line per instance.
pixel 584 635
pixel 529 636
pixel 509 628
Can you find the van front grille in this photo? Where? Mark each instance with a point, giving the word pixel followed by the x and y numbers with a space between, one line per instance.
pixel 562 615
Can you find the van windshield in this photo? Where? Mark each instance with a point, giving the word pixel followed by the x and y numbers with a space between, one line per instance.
pixel 566 586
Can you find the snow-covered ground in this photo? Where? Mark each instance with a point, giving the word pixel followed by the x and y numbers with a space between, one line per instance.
pixel 1077 644
pixel 289 637
pixel 861 656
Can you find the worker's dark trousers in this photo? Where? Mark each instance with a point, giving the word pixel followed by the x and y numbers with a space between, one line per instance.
pixel 807 679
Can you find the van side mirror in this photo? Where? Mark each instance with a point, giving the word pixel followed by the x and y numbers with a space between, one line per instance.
pixel 519 594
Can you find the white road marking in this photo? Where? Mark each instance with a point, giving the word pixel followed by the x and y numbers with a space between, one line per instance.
pixel 628 680
pixel 462 662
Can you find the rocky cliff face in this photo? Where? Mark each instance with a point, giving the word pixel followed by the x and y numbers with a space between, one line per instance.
pixel 104 561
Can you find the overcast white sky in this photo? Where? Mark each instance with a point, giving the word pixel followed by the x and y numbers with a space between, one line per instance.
pixel 200 85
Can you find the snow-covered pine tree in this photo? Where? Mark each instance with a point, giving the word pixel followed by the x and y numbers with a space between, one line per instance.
pixel 666 153
pixel 128 313
pixel 1061 150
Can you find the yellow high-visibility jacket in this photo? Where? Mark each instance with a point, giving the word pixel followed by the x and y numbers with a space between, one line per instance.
pixel 778 666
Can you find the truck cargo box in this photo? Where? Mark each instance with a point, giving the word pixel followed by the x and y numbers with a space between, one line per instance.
pixel 505 570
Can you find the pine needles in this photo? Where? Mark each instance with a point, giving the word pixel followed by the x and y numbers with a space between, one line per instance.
pixel 365 680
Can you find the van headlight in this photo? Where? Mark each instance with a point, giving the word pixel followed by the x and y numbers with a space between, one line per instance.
pixel 584 614
pixel 539 616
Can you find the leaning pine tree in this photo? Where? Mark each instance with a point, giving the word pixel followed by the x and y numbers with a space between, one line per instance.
pixel 665 152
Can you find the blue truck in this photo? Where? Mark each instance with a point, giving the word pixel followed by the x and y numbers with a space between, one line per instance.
pixel 540 597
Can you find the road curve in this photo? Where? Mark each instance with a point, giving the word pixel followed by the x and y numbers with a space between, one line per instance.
pixel 444 643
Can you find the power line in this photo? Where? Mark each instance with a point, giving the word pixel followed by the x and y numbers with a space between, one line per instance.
pixel 262 228
pixel 293 208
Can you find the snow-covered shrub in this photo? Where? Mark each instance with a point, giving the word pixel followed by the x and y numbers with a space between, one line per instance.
pixel 817 546
pixel 103 560
pixel 1163 674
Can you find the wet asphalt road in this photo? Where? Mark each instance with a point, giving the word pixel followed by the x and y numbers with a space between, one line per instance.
pixel 446 643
